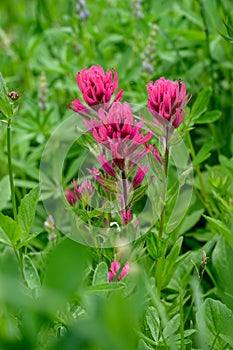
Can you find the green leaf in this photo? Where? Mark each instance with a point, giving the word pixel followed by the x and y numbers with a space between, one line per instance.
pixel 25 242
pixel 153 245
pixel 201 103
pixel 222 261
pixel 204 153
pixel 208 117
pixel 156 167
pixel 171 327
pixel 171 263
pixel 106 287
pixel 219 322
pixel 31 275
pixel 153 322
pixel 190 221
pixel 219 227
pixel 139 193
pixel 5 192
pixel 5 102
pixel 27 211
pixel 100 274
pixel 142 346
pixel 10 228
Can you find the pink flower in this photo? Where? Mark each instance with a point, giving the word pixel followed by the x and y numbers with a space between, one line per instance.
pixel 115 267
pixel 79 192
pixel 126 216
pixel 167 99
pixel 157 155
pixel 107 166
pixel 97 87
pixel 121 135
pixel 70 197
pixel 140 174
pixel 118 123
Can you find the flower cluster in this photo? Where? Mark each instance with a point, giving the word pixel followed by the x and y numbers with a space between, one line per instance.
pixel 123 141
pixel 84 191
pixel 166 101
pixel 115 267
pixel 97 88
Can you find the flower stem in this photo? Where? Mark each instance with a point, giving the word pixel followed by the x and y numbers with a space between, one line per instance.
pixel 160 261
pixel 10 169
pixel 166 158
pixel 123 178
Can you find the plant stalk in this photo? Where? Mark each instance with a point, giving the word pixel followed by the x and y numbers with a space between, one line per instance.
pixel 160 262
pixel 166 159
pixel 12 187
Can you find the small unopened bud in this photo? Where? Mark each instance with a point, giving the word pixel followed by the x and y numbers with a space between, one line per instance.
pixel 49 224
pixel 13 95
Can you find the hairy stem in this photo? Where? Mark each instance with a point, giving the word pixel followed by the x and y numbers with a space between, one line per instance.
pixel 123 178
pixel 10 169
pixel 166 158
pixel 160 262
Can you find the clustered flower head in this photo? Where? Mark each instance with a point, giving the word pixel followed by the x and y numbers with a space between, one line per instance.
pixel 166 101
pixel 97 88
pixel 123 141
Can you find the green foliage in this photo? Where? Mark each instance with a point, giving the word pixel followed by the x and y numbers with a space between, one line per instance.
pixel 54 292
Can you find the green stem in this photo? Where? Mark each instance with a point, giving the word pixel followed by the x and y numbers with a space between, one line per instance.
pixel 162 216
pixel 10 169
pixel 160 262
pixel 203 195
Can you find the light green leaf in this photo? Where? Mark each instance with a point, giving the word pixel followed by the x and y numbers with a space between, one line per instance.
pixel 219 227
pixel 106 287
pixel 219 322
pixel 31 275
pixel 204 153
pixel 153 322
pixel 201 103
pixel 171 327
pixel 100 274
pixel 142 346
pixel 208 117
pixel 10 228
pixel 27 211
pixel 190 221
